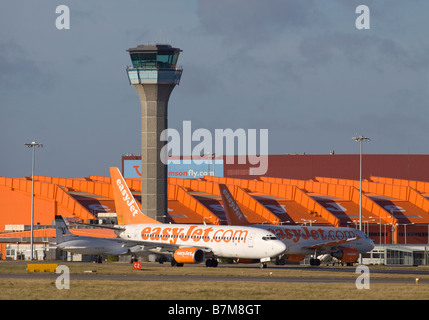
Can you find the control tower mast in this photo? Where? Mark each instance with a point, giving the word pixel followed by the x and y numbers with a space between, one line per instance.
pixel 154 73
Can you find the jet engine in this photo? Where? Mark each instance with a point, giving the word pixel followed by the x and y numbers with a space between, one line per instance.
pixel 346 254
pixel 189 255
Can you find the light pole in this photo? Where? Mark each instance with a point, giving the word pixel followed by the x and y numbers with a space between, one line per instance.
pixel 405 229
pixel 32 145
pixel 212 155
pixel 384 229
pixel 367 226
pixel 360 140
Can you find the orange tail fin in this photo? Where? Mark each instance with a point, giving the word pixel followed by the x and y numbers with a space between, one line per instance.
pixel 233 213
pixel 127 209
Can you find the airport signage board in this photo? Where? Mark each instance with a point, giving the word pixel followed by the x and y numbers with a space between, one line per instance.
pixel 188 169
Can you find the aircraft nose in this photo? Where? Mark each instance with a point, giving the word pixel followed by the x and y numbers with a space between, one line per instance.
pixel 371 245
pixel 278 247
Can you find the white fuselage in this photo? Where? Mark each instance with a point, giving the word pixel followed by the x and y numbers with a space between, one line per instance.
pixel 92 246
pixel 221 241
pixel 298 239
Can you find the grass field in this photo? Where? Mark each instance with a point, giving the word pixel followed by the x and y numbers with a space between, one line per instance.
pixel 39 289
pixel 154 290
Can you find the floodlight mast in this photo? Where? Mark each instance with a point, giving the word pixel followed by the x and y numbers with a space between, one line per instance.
pixel 360 139
pixel 32 145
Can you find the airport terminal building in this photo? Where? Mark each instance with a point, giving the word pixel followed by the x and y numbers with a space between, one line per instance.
pixel 296 189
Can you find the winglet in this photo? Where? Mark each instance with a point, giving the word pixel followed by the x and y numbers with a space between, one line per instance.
pixel 233 213
pixel 127 210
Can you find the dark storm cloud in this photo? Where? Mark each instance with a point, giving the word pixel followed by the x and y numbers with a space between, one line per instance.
pixel 17 67
pixel 199 80
pixel 253 20
pixel 357 49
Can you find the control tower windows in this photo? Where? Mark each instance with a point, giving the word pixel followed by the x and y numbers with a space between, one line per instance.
pixel 153 60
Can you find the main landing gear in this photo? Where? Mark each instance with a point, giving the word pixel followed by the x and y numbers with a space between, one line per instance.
pixel 211 263
pixel 174 263
pixel 314 261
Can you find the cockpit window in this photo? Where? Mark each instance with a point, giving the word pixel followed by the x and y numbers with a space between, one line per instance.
pixel 269 237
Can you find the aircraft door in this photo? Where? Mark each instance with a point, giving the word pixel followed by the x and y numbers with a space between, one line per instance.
pixel 250 240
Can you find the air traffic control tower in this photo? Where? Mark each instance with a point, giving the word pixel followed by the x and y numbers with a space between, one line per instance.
pixel 154 73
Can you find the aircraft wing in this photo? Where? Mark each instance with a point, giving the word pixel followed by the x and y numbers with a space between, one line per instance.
pixel 157 246
pixel 118 251
pixel 66 248
pixel 101 226
pixel 331 243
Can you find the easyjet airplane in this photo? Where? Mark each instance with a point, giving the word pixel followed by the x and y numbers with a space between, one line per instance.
pixel 190 243
pixel 92 245
pixel 345 244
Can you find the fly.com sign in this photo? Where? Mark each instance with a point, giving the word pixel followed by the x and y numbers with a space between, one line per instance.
pixel 179 169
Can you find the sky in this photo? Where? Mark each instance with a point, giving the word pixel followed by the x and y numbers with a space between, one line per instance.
pixel 299 68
